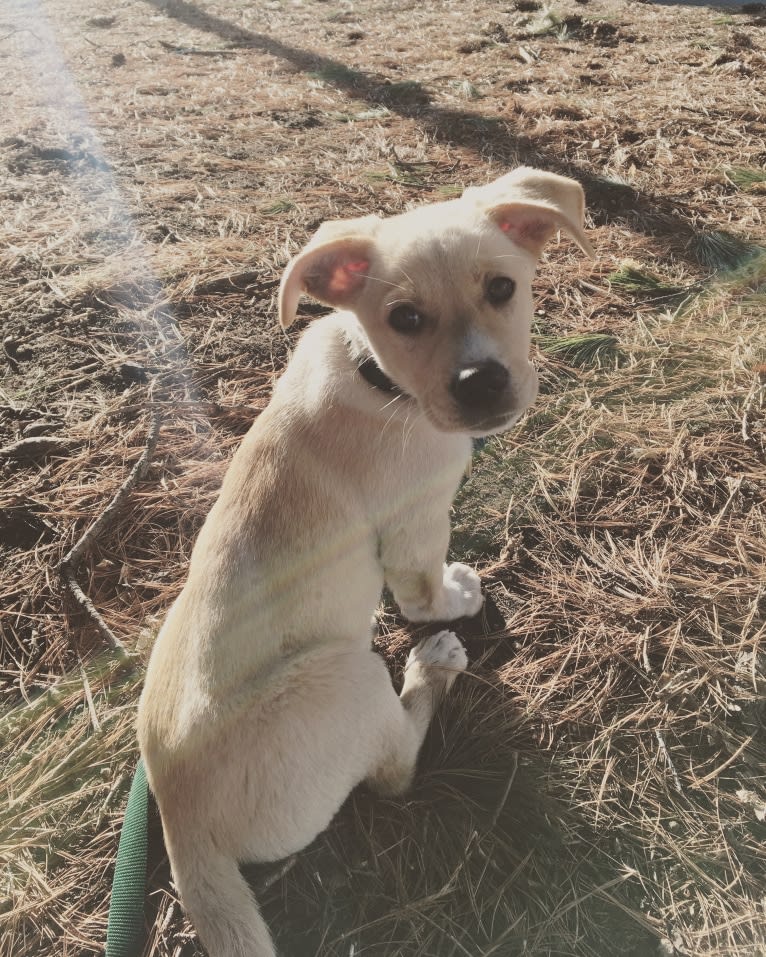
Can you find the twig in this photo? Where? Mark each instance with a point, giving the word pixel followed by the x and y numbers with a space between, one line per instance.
pixel 730 760
pixel 169 914
pixel 506 792
pixel 118 782
pixel 668 760
pixel 657 733
pixel 278 874
pixel 757 388
pixel 194 51
pixel 34 447
pixel 89 698
pixel 71 561
pixel 21 30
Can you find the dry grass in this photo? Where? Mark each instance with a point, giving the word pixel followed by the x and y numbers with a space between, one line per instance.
pixel 598 781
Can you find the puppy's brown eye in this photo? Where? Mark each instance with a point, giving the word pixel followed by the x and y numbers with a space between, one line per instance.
pixel 405 319
pixel 500 289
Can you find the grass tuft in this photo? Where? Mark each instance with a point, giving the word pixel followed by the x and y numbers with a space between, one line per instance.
pixel 338 74
pixel 641 284
pixel 719 251
pixel 747 178
pixel 468 91
pixel 279 206
pixel 544 24
pixel 406 91
pixel 589 348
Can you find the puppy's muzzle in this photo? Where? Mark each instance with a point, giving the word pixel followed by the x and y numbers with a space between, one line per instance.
pixel 482 390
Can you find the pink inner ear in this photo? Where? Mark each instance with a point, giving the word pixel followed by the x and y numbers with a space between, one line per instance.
pixel 345 276
pixel 523 226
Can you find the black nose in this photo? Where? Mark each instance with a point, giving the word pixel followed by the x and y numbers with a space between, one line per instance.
pixel 481 385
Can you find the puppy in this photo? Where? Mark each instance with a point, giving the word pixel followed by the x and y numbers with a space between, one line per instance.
pixel 264 703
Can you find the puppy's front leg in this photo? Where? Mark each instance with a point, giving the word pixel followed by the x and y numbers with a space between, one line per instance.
pixel 424 586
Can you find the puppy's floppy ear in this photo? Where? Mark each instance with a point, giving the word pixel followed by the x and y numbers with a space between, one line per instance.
pixel 332 268
pixel 529 205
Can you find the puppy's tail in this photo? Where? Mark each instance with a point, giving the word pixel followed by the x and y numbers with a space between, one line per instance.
pixel 218 900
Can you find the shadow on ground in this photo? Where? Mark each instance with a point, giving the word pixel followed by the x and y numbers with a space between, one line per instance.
pixel 607 200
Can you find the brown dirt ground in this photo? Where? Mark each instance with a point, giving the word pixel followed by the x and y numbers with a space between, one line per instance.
pixel 160 162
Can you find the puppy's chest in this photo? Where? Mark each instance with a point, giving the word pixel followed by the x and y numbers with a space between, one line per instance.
pixel 417 480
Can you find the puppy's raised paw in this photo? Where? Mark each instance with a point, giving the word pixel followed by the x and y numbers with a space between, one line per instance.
pixel 462 591
pixel 458 595
pixel 442 649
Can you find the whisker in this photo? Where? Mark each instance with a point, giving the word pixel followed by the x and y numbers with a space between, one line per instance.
pixel 395 399
pixel 404 431
pixel 391 417
pixel 385 282
pixel 409 432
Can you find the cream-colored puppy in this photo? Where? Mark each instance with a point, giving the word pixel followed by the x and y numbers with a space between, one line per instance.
pixel 264 703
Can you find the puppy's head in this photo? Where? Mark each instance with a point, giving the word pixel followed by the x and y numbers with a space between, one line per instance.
pixel 444 293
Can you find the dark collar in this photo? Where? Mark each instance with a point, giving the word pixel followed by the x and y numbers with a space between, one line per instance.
pixel 371 372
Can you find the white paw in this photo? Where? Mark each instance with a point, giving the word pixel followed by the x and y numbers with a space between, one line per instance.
pixel 459 596
pixel 443 648
pixel 462 595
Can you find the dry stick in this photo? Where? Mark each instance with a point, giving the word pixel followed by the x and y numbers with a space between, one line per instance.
pixel 668 760
pixel 89 698
pixel 506 792
pixel 657 733
pixel 285 867
pixel 70 562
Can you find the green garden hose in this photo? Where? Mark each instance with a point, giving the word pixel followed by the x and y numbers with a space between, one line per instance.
pixel 125 935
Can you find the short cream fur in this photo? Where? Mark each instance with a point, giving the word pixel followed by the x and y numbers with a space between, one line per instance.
pixel 264 703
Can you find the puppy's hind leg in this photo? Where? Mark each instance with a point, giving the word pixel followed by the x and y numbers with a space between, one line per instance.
pixel 217 897
pixel 430 672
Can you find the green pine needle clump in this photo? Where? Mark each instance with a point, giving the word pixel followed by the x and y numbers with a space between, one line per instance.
pixel 720 251
pixel 588 348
